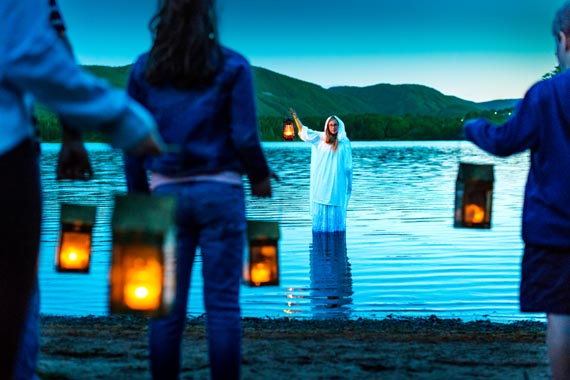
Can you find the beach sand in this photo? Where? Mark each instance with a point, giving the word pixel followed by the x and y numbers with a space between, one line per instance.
pixel 116 347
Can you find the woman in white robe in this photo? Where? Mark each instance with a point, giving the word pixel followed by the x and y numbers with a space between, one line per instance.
pixel 331 173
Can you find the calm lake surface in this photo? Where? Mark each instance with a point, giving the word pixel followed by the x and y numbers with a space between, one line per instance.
pixel 400 254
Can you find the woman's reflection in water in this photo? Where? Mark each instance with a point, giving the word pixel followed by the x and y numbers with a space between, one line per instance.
pixel 331 281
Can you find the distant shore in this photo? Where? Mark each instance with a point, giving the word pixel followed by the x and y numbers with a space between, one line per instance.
pixel 116 347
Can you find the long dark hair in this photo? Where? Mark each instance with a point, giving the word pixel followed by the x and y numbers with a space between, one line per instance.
pixel 186 52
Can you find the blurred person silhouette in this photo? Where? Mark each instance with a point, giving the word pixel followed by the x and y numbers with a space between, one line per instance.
pixel 34 63
pixel 202 96
pixel 541 124
pixel 331 173
pixel 73 163
pixel 331 281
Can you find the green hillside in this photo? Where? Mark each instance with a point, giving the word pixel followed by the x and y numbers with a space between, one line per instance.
pixel 118 76
pixel 388 99
pixel 500 104
pixel 275 93
pixel 379 112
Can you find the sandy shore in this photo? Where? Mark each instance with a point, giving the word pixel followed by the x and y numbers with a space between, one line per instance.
pixel 394 348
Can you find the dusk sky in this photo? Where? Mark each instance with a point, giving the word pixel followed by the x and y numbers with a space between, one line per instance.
pixel 477 50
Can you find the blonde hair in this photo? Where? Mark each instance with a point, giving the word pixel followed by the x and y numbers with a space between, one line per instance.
pixel 330 138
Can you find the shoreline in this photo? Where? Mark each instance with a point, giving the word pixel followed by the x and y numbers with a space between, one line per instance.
pixel 116 347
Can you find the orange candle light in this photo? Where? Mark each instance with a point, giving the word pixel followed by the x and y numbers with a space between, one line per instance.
pixel 474 214
pixel 143 268
pixel 288 130
pixel 73 252
pixel 260 273
pixel 143 279
pixel 262 267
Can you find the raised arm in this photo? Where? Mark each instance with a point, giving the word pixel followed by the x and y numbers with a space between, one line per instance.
pixel 306 134
pixel 296 120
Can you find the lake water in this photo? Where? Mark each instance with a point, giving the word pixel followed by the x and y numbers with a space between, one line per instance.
pixel 400 254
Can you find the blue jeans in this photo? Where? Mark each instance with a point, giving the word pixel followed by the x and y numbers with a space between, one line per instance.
pixel 210 215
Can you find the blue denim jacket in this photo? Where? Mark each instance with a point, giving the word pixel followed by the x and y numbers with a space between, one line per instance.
pixel 540 123
pixel 214 128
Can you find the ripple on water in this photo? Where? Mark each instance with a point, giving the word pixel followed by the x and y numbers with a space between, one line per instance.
pixel 400 254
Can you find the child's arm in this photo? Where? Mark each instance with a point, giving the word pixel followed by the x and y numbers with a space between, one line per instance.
pixel 516 135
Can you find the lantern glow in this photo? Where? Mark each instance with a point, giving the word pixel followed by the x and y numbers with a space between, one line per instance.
pixel 75 250
pixel 143 279
pixel 474 214
pixel 262 267
pixel 473 196
pixel 288 130
pixel 143 265
pixel 74 247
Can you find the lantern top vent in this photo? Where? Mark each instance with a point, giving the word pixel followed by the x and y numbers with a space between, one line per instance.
pixel 262 229
pixel 73 213
pixel 468 171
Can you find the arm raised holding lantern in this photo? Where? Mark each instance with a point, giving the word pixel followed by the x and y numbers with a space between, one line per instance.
pixel 306 134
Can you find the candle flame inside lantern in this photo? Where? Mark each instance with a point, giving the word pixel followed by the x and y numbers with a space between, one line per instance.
pixel 263 270
pixel 75 250
pixel 474 213
pixel 260 273
pixel 289 132
pixel 142 290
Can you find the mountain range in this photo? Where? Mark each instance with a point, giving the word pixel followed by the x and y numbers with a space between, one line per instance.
pixel 275 93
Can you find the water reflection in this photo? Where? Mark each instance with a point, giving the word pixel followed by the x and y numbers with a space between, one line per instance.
pixel 405 255
pixel 331 281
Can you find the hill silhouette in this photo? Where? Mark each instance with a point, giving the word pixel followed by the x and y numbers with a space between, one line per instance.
pixel 379 112
pixel 275 93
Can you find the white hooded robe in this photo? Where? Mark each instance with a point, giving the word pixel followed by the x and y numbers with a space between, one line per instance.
pixel 331 178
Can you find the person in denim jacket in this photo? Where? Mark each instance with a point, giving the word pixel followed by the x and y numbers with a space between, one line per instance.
pixel 541 124
pixel 202 97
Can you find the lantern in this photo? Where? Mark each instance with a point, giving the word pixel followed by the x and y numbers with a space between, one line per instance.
pixel 73 252
pixel 143 268
pixel 474 196
pixel 262 266
pixel 288 130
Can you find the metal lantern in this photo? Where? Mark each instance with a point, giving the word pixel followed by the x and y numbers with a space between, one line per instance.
pixel 474 196
pixel 262 266
pixel 143 268
pixel 73 252
pixel 288 130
